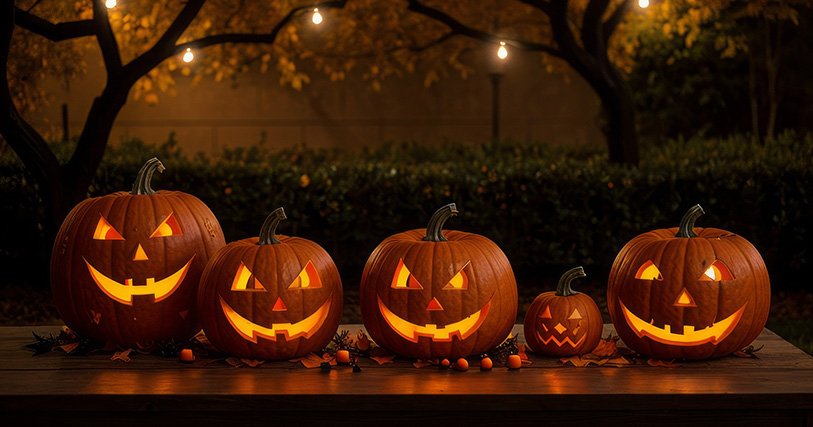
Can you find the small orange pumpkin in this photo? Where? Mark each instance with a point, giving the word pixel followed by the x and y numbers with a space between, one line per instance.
pixel 272 297
pixel 564 322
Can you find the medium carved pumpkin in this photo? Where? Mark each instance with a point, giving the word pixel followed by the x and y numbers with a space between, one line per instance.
pixel 125 266
pixel 272 297
pixel 428 294
pixel 563 322
pixel 688 293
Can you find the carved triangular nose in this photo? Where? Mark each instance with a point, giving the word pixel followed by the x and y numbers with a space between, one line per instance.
pixel 434 305
pixel 685 299
pixel 140 255
pixel 279 305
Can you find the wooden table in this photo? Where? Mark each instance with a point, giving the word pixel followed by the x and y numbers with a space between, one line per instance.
pixel 57 389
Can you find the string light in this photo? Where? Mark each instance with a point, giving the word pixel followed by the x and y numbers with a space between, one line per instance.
pixel 110 3
pixel 317 17
pixel 643 4
pixel 188 56
pixel 502 51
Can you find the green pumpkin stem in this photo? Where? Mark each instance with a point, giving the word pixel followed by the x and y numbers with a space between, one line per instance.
pixel 434 230
pixel 144 177
pixel 563 289
pixel 686 227
pixel 269 229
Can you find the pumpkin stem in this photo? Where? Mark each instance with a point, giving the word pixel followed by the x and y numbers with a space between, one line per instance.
pixel 434 230
pixel 269 229
pixel 144 177
pixel 686 227
pixel 563 289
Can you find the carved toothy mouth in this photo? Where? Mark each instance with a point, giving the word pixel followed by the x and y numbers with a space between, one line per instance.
pixel 124 292
pixel 249 330
pixel 690 337
pixel 410 331
pixel 562 342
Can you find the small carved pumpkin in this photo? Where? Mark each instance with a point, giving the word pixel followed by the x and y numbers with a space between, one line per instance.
pixel 564 322
pixel 688 293
pixel 125 266
pixel 272 297
pixel 428 295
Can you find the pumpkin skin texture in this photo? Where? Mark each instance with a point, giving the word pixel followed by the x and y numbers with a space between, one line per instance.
pixel 272 297
pixel 427 294
pixel 688 293
pixel 563 322
pixel 125 266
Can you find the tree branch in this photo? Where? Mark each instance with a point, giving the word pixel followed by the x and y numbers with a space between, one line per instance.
pixel 107 40
pixel 592 27
pixel 542 5
pixel 180 24
pixel 51 31
pixel 462 29
pixel 617 16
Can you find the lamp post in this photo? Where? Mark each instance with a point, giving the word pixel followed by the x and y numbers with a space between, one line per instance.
pixel 496 65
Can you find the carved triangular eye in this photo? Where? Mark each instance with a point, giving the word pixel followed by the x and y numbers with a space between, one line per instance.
pixel 403 279
pixel 716 272
pixel 460 281
pixel 546 314
pixel 243 281
pixel 575 315
pixel 308 278
pixel 105 231
pixel 648 271
pixel 168 227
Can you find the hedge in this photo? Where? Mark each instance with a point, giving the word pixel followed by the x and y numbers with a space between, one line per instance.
pixel 547 207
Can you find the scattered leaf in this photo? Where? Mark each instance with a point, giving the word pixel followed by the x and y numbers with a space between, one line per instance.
pixel 661 363
pixel 749 352
pixel 122 356
pixel 383 359
pixel 68 348
pixel 607 347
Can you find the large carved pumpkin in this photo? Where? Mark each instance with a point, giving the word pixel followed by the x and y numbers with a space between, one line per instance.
pixel 688 293
pixel 125 266
pixel 272 297
pixel 428 294
pixel 563 322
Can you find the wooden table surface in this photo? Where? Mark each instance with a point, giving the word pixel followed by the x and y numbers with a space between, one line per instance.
pixel 776 389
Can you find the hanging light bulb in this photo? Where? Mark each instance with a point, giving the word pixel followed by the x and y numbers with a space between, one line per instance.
pixel 317 17
pixel 110 3
pixel 643 4
pixel 188 56
pixel 502 51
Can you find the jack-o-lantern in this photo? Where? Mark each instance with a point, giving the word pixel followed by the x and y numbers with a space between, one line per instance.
pixel 563 322
pixel 688 293
pixel 125 266
pixel 272 297
pixel 428 295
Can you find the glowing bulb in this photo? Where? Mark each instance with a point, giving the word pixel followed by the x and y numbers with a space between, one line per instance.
pixel 502 51
pixel 188 56
pixel 317 17
pixel 110 3
pixel 643 4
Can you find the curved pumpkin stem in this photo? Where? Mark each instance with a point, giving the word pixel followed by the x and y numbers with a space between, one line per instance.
pixel 686 227
pixel 144 177
pixel 563 289
pixel 434 230
pixel 268 232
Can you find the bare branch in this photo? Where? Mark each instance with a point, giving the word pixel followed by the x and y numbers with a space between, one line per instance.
pixel 591 32
pixel 617 16
pixel 181 23
pixel 542 5
pixel 51 31
pixel 107 40
pixel 459 28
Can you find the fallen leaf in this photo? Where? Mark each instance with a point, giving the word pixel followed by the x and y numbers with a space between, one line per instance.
pixel 748 352
pixel 312 360
pixel 618 361
pixel 252 363
pixel 661 363
pixel 607 347
pixel 68 348
pixel 234 361
pixel 577 361
pixel 422 363
pixel 122 356
pixel 382 359
pixel 362 342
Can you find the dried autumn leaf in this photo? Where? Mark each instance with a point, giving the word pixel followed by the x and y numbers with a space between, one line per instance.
pixel 234 361
pixel 122 356
pixel 748 352
pixel 577 361
pixel 251 363
pixel 422 363
pixel 607 347
pixel 661 363
pixel 362 342
pixel 312 360
pixel 383 359
pixel 68 348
